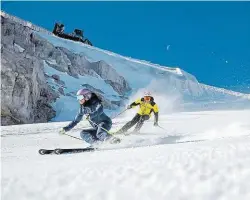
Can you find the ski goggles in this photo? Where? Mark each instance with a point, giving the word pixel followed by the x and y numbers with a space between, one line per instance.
pixel 147 98
pixel 80 97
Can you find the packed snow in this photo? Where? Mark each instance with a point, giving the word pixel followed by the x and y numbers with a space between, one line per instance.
pixel 199 155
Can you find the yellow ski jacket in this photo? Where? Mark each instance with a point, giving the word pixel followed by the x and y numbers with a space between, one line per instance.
pixel 146 108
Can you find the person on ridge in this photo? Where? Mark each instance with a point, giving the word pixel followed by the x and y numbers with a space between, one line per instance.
pixel 92 108
pixel 147 106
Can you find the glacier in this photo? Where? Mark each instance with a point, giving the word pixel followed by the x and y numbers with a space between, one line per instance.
pixel 173 88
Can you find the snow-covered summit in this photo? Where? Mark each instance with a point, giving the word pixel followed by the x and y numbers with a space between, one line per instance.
pixel 172 85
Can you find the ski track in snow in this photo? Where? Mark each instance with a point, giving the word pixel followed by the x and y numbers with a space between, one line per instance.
pixel 203 155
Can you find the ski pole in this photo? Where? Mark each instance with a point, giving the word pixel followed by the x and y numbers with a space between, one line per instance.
pixel 161 127
pixel 72 136
pixel 120 113
pixel 100 127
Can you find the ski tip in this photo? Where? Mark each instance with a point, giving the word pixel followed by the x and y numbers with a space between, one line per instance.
pixel 42 151
pixel 45 151
pixel 58 151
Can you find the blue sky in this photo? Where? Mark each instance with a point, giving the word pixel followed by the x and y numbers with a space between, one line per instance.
pixel 210 40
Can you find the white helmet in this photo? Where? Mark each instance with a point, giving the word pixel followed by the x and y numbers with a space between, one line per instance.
pixel 147 93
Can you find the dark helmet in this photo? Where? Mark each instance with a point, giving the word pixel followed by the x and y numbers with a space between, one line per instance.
pixel 84 94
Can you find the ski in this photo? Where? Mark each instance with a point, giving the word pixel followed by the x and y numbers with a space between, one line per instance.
pixel 74 150
pixel 65 151
pixel 58 151
pixel 45 151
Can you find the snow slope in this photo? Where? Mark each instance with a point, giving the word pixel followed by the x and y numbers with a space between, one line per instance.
pixel 201 155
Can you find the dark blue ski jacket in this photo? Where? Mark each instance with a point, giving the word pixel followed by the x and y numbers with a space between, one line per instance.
pixel 94 109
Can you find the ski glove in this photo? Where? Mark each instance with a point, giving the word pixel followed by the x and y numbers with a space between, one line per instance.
pixel 156 124
pixel 87 117
pixel 129 106
pixel 62 131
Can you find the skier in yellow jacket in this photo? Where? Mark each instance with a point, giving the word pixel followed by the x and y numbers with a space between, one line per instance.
pixel 147 106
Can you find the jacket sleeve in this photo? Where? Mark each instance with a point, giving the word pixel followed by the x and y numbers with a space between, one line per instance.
pixel 156 112
pixel 77 119
pixel 97 110
pixel 135 103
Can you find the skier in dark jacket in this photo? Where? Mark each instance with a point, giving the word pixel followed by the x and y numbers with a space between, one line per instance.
pixel 91 107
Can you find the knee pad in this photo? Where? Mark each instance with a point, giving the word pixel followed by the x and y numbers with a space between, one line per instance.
pixel 145 117
pixel 102 135
pixel 87 137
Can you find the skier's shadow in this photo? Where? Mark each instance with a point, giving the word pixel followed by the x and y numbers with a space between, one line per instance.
pixel 170 139
pixel 173 139
pixel 147 142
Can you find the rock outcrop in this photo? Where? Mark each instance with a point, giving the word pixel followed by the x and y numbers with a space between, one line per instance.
pixel 26 94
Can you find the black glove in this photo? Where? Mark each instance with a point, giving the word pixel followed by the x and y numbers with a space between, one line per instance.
pixel 156 124
pixel 129 106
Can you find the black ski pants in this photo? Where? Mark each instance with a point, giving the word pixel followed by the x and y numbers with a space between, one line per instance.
pixel 139 119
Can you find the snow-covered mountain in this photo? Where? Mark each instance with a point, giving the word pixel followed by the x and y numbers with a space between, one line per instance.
pixel 172 85
pixel 64 66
